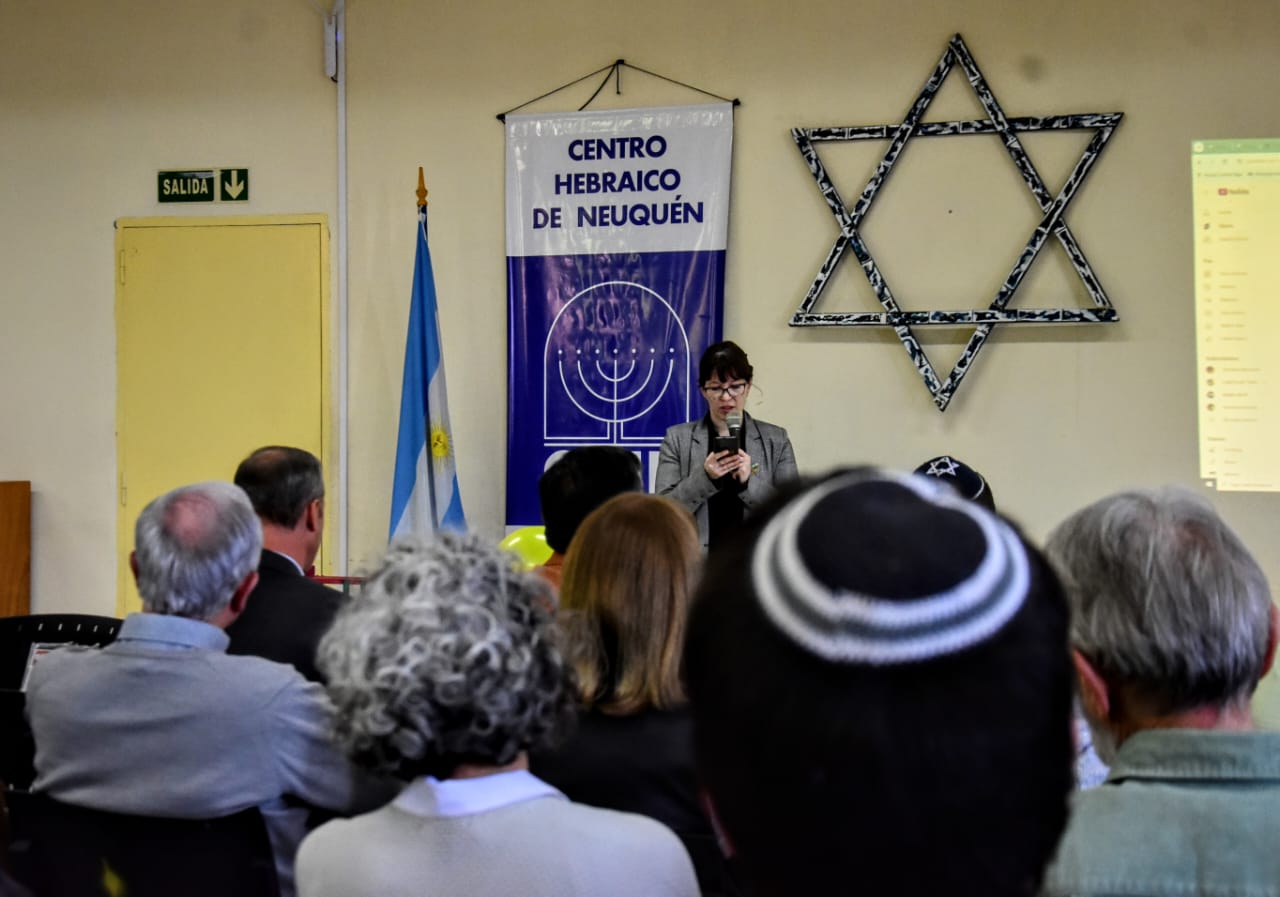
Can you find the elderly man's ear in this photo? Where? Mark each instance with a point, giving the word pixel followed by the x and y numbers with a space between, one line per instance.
pixel 235 607
pixel 1273 632
pixel 1095 694
pixel 240 597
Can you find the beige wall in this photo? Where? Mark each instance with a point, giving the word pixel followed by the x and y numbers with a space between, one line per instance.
pixel 94 99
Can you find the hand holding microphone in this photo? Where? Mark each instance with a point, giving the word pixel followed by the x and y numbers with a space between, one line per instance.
pixel 733 420
pixel 741 463
pixel 727 455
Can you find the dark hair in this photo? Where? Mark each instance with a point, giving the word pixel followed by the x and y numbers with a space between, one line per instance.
pixel 950 774
pixel 281 481
pixel 580 482
pixel 961 477
pixel 725 360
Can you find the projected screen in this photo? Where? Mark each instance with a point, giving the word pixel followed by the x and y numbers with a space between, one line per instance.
pixel 1236 190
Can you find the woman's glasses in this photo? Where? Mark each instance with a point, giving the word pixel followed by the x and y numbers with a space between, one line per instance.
pixel 733 390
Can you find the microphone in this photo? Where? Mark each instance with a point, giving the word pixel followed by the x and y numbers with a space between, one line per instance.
pixel 733 420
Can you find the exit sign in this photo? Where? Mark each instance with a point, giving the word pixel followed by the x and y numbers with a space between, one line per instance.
pixel 203 185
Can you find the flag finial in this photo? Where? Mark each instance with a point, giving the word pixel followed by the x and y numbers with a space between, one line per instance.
pixel 422 190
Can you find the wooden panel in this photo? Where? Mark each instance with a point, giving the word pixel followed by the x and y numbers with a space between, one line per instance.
pixel 15 549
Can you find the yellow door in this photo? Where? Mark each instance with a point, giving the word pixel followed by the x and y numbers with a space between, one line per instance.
pixel 221 337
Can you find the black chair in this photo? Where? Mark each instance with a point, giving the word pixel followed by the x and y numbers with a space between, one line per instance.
pixel 18 634
pixel 60 850
pixel 17 746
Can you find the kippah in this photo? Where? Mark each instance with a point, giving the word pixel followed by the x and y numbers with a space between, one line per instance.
pixel 963 478
pixel 881 568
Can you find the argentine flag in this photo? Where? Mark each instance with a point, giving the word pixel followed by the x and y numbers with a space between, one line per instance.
pixel 425 497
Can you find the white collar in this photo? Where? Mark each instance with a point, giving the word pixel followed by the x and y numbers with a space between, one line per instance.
pixel 463 797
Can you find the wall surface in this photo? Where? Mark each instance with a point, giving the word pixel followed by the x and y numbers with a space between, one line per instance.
pixel 94 102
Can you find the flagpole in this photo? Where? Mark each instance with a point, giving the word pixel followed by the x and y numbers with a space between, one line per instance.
pixel 424 489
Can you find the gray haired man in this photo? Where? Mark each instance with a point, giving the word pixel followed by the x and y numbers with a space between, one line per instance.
pixel 1172 628
pixel 163 722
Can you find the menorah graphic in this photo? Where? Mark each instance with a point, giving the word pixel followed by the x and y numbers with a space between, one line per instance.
pixel 615 368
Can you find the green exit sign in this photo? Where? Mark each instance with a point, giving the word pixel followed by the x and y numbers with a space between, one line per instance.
pixel 203 185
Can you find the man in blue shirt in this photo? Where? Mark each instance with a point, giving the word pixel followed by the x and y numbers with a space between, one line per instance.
pixel 163 722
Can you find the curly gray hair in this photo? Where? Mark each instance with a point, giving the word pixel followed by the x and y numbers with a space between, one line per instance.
pixel 447 656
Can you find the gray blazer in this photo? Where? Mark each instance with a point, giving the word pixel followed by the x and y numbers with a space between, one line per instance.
pixel 682 478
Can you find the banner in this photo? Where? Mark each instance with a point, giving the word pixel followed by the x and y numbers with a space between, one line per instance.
pixel 616 231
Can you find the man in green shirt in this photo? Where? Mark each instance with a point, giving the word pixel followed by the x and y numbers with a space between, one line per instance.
pixel 1172 628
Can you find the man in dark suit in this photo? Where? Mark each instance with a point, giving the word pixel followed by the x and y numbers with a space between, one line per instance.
pixel 289 612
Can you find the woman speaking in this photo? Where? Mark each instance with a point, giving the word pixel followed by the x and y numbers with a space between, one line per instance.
pixel 724 464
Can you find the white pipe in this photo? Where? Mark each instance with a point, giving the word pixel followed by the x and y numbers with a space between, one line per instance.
pixel 344 516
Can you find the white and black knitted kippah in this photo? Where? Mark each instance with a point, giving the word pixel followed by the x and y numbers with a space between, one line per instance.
pixel 877 567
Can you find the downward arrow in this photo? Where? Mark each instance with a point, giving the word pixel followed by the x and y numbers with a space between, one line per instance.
pixel 234 187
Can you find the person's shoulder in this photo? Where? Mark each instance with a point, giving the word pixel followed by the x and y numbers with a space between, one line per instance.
pixel 334 835
pixel 772 431
pixel 645 857
pixel 262 682
pixel 318 591
pixel 626 831
pixel 679 432
pixel 674 723
pixel 277 577
pixel 57 665
pixel 348 853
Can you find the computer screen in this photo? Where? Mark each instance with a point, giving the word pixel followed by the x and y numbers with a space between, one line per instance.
pixel 1236 219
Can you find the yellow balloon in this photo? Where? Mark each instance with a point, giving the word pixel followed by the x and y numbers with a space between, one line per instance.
pixel 530 544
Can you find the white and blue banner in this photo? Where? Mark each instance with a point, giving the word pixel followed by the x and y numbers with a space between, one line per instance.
pixel 617 223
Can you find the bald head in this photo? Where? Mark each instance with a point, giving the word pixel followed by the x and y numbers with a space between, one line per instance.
pixel 193 547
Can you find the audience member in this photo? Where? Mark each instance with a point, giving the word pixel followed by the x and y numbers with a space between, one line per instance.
pixel 162 722
pixel 1090 770
pixel 289 612
pixel 581 481
pixel 445 670
pixel 961 477
pixel 1172 627
pixel 881 695
pixel 623 607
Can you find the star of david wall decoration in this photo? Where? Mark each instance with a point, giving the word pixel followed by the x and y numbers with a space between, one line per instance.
pixel 1052 223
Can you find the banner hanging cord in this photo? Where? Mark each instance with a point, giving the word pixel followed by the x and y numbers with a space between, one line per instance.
pixel 735 101
pixel 614 70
